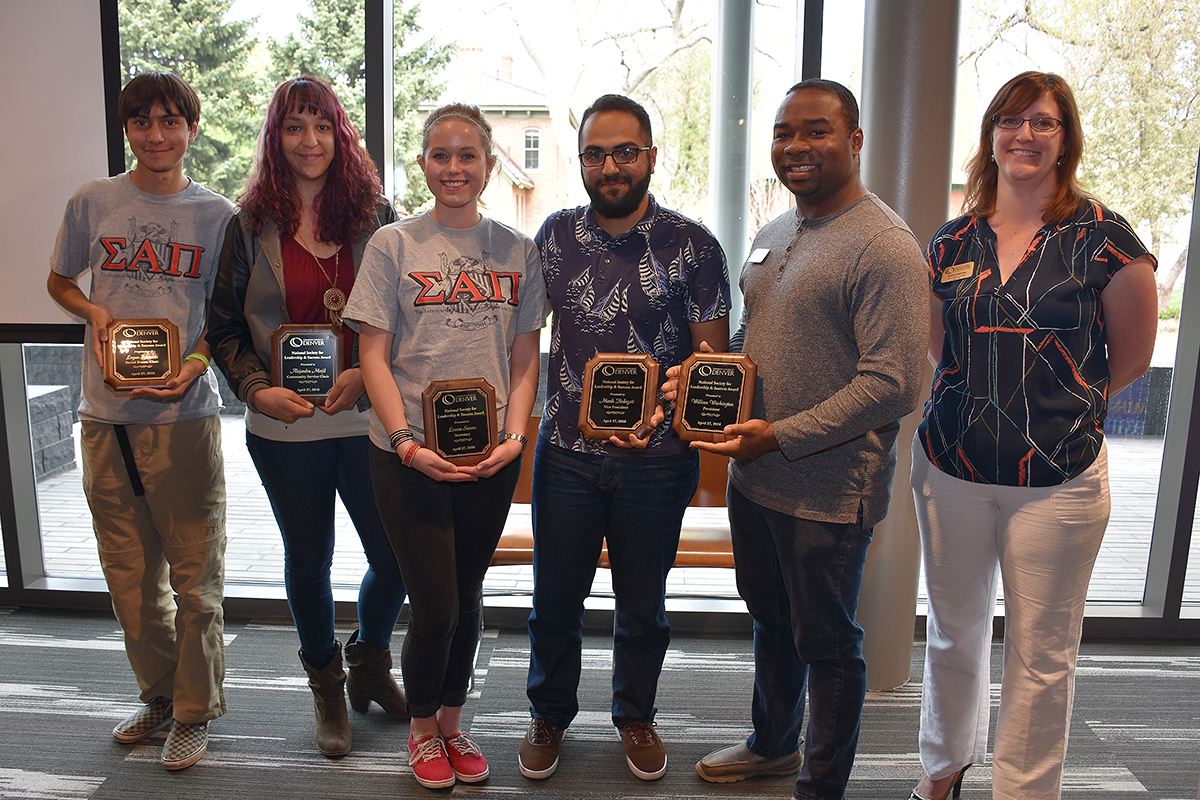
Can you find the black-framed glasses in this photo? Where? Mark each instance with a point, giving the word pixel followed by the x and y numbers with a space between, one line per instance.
pixel 1011 122
pixel 622 155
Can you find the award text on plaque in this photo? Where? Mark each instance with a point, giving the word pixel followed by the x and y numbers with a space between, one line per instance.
pixel 141 353
pixel 306 359
pixel 715 390
pixel 460 419
pixel 619 393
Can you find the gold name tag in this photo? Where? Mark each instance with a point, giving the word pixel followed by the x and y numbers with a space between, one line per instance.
pixel 958 272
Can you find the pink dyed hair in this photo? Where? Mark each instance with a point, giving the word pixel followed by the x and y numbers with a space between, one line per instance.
pixel 346 204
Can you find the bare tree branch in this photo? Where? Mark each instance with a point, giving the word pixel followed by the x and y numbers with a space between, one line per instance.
pixel 634 80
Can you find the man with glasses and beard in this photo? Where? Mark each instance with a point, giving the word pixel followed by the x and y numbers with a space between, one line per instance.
pixel 624 275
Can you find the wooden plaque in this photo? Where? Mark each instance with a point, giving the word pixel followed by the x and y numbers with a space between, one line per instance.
pixel 306 359
pixel 715 390
pixel 619 394
pixel 460 419
pixel 141 353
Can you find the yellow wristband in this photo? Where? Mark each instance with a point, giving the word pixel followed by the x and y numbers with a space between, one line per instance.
pixel 198 357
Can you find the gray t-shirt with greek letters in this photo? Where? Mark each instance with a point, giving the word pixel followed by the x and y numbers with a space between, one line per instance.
pixel 454 300
pixel 150 256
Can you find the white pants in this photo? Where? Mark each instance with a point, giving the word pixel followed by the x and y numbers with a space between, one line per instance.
pixel 1044 541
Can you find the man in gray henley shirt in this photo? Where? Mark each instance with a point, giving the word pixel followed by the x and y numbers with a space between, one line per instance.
pixel 835 318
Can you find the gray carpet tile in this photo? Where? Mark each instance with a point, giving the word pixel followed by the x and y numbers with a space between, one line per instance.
pixel 64 682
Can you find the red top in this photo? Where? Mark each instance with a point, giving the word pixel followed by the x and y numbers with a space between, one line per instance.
pixel 306 286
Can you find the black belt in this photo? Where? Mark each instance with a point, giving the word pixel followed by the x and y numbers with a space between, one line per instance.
pixel 130 465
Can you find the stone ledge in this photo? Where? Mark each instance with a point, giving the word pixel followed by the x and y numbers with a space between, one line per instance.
pixel 51 431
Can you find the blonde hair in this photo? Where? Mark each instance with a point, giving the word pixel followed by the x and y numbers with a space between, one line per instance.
pixel 462 111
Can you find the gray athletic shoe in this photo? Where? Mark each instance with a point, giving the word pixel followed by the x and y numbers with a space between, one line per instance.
pixel 737 763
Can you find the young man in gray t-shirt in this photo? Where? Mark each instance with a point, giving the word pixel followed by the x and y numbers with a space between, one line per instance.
pixel 153 472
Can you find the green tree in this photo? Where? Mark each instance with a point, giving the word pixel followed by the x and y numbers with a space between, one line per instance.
pixel 1135 69
pixel 192 38
pixel 680 92
pixel 331 46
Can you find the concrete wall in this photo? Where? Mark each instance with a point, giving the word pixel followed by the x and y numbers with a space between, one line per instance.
pixel 50 78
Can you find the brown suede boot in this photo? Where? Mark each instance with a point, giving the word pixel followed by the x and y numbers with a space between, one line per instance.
pixel 329 699
pixel 371 679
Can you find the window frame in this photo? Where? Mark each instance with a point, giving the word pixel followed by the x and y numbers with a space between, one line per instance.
pixel 532 153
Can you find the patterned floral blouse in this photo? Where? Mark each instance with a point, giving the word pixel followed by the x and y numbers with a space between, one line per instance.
pixel 1021 393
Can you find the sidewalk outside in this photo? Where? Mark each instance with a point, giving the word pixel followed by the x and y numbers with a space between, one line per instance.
pixel 255 554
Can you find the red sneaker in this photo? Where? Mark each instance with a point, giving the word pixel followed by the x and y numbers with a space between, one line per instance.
pixel 430 765
pixel 468 763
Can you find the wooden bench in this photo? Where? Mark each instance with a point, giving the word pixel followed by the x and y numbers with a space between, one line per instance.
pixel 698 546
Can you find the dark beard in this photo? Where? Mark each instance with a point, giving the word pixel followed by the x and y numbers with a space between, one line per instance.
pixel 622 207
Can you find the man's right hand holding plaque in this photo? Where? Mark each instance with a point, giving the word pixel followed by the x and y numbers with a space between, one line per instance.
pixel 620 399
pixel 715 390
pixel 741 438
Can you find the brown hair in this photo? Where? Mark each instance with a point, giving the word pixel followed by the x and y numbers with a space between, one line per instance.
pixel 1014 97
pixel 167 89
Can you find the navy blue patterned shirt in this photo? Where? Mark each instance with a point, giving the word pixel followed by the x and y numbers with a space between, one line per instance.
pixel 1021 393
pixel 633 293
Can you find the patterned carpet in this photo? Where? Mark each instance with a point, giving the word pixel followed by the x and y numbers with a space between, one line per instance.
pixel 64 682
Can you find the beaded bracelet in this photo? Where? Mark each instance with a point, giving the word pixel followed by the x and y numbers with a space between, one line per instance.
pixel 402 435
pixel 198 357
pixel 411 453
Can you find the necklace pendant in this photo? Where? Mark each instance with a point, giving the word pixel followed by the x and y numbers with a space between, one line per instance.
pixel 334 299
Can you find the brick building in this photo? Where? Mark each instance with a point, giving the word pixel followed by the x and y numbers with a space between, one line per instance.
pixel 532 179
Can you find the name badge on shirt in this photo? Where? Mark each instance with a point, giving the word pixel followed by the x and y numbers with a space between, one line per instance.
pixel 758 256
pixel 958 272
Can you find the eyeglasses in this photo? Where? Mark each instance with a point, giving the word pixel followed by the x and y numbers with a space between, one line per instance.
pixel 1011 122
pixel 622 155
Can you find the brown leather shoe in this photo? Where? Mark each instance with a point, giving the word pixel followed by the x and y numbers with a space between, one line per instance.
pixel 370 678
pixel 332 736
pixel 644 751
pixel 539 749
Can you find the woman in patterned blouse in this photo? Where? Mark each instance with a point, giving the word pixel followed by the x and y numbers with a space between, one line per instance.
pixel 1043 307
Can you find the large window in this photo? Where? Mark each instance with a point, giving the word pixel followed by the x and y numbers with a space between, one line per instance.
pixel 1145 432
pixel 999 40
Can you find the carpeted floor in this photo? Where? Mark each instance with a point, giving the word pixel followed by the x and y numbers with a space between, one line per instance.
pixel 64 682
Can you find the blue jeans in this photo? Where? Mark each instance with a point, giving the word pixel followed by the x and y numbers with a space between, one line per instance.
pixel 800 580
pixel 636 503
pixel 301 479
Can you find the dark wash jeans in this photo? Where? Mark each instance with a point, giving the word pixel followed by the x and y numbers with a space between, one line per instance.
pixel 636 503
pixel 444 535
pixel 301 479
pixel 800 580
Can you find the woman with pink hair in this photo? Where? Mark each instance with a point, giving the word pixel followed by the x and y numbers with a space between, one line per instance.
pixel 290 257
